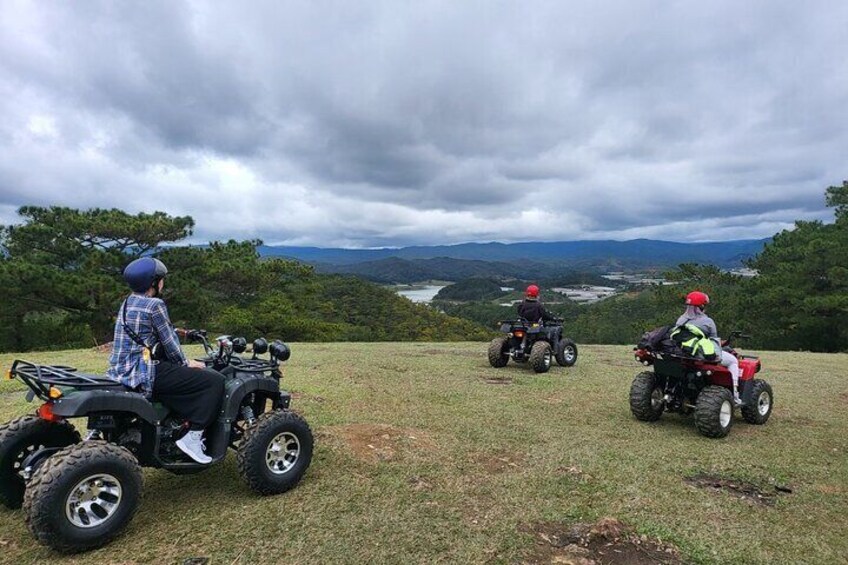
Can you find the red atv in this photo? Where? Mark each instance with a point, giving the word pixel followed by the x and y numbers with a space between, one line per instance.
pixel 684 384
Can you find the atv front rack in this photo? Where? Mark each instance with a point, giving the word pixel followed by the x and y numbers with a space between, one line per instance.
pixel 39 378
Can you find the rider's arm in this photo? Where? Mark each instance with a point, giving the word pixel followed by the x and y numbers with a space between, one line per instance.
pixel 167 335
pixel 546 316
pixel 711 330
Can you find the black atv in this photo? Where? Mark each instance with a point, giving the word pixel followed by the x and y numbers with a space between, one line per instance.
pixel 533 342
pixel 78 494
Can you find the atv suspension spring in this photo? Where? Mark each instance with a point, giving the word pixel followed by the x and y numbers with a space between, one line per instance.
pixel 247 414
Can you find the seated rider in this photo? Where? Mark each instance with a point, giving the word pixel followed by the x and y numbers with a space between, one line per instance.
pixel 185 386
pixel 531 309
pixel 696 304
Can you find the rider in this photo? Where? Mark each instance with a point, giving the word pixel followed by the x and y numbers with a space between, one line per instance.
pixel 531 309
pixel 184 385
pixel 696 304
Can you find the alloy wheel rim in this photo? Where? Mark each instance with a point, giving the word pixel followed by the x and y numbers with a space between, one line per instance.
pixel 725 414
pixel 568 354
pixel 763 403
pixel 282 453
pixel 93 501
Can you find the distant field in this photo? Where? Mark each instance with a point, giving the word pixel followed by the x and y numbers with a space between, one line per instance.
pixel 424 454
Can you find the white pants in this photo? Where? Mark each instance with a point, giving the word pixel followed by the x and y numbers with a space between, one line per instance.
pixel 728 360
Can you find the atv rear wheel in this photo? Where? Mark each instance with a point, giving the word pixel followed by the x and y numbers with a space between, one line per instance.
pixel 83 496
pixel 275 452
pixel 18 440
pixel 498 356
pixel 541 356
pixel 714 411
pixel 566 354
pixel 762 402
pixel 646 397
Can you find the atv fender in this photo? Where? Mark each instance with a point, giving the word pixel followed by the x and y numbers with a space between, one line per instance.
pixel 243 384
pixel 79 404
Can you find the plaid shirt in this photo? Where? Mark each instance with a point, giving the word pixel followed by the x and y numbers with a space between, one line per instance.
pixel 130 363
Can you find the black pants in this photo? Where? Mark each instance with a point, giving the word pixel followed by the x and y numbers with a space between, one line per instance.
pixel 194 394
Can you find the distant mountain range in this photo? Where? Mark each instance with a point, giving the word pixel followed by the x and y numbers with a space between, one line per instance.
pixel 518 260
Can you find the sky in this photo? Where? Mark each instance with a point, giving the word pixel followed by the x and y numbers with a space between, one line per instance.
pixel 366 124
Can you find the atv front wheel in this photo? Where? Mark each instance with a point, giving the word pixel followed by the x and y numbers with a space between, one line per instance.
pixel 566 355
pixel 19 439
pixel 646 397
pixel 83 496
pixel 714 411
pixel 540 356
pixel 275 452
pixel 498 355
pixel 762 402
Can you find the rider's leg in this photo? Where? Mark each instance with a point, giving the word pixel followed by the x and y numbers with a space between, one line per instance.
pixel 194 394
pixel 729 360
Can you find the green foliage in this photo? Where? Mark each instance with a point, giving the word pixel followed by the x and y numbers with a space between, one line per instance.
pixel 64 265
pixel 801 293
pixel 62 275
pixel 471 289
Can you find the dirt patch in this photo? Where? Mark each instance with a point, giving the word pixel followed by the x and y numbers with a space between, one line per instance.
pixel 444 352
pixel 831 489
pixel 746 490
pixel 498 381
pixel 381 442
pixel 501 462
pixel 305 396
pixel 609 542
pixel 574 472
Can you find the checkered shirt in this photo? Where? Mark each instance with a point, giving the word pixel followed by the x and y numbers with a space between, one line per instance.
pixel 147 317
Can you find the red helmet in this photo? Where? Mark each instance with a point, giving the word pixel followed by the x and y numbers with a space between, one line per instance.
pixel 697 298
pixel 532 291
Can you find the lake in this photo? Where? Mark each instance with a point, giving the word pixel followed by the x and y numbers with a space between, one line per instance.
pixel 423 294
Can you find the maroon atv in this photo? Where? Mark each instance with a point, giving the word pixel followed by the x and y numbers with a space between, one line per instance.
pixel 684 384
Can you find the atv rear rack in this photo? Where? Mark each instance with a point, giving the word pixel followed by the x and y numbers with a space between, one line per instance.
pixel 39 378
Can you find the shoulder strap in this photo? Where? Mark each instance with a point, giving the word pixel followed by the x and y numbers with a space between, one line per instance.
pixel 130 332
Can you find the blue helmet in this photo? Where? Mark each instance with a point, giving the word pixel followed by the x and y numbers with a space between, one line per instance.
pixel 143 273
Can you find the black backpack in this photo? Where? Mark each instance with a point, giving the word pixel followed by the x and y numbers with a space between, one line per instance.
pixel 652 340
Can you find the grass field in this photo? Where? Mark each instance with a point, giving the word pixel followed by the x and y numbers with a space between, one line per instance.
pixel 419 458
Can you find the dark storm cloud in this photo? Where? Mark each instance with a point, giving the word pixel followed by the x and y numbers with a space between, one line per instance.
pixel 383 124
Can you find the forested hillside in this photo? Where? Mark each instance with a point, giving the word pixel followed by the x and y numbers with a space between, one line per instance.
pixel 61 275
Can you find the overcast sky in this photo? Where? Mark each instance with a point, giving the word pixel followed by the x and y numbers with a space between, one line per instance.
pixel 395 123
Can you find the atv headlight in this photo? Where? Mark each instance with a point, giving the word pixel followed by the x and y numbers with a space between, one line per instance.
pixel 260 346
pixel 280 351
pixel 239 345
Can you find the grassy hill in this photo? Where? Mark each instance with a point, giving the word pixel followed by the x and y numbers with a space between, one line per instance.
pixel 425 453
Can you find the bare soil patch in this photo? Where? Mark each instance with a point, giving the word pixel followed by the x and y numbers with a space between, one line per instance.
pixel 305 396
pixel 608 542
pixel 746 490
pixel 446 351
pixel 501 462
pixel 831 489
pixel 381 442
pixel 498 381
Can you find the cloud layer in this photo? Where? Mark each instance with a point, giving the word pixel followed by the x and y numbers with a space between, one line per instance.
pixel 348 124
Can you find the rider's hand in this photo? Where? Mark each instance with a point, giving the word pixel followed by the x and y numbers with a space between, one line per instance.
pixel 195 364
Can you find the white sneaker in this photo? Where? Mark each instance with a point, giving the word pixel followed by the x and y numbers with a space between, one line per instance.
pixel 736 400
pixel 192 445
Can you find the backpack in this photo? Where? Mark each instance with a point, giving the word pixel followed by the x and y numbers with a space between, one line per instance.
pixel 694 342
pixel 652 340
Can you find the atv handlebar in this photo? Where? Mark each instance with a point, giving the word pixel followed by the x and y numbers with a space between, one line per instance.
pixel 734 335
